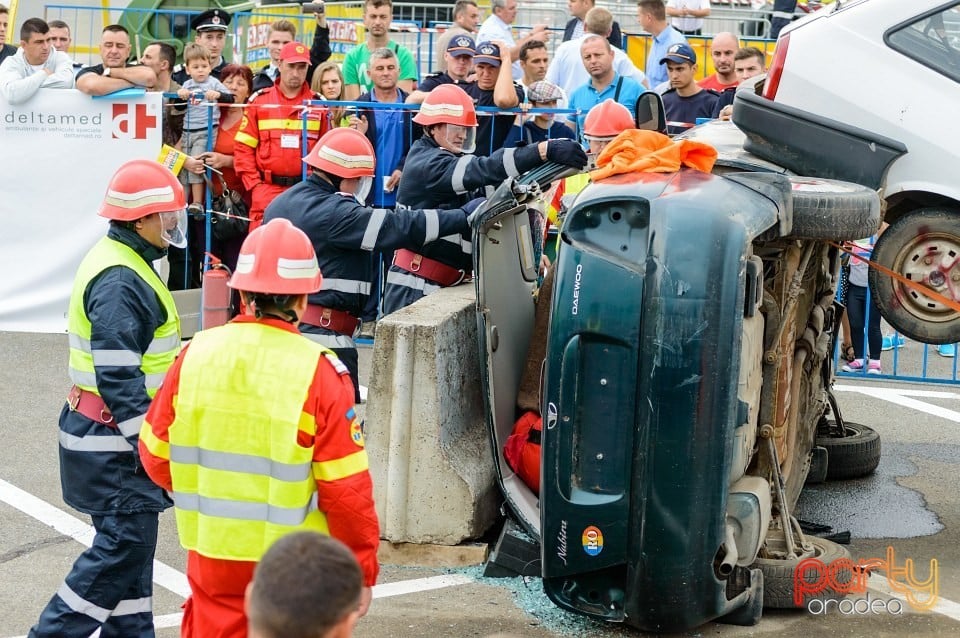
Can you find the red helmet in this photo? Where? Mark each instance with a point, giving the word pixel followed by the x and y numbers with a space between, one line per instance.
pixel 447 104
pixel 344 152
pixel 607 119
pixel 277 259
pixel 140 188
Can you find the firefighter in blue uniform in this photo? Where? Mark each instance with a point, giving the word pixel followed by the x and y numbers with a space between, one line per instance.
pixel 328 207
pixel 782 15
pixel 441 171
pixel 211 27
pixel 124 332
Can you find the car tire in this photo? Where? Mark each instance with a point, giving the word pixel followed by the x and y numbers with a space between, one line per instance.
pixel 779 575
pixel 831 209
pixel 901 248
pixel 854 455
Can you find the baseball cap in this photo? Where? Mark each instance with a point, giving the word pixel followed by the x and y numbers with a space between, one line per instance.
pixel 487 53
pixel 462 45
pixel 294 52
pixel 543 91
pixel 680 53
pixel 211 20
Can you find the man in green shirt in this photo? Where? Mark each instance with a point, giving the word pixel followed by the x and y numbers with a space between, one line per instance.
pixel 377 15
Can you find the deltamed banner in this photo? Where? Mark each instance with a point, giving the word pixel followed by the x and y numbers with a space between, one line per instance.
pixel 62 147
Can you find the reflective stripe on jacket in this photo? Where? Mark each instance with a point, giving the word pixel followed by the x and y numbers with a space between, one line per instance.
pixel 108 253
pixel 239 477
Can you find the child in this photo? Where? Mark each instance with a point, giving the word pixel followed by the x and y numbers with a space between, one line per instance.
pixel 541 95
pixel 201 87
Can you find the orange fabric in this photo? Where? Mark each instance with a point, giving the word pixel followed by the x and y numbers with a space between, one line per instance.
pixel 215 606
pixel 522 454
pixel 636 151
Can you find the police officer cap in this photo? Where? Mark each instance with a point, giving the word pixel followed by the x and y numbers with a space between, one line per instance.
pixel 211 20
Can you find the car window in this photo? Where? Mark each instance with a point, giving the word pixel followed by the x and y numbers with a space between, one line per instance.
pixel 932 39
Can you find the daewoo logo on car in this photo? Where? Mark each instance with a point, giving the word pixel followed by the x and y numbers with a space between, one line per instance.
pixel 578 275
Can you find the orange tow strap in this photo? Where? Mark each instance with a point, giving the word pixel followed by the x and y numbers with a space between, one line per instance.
pixel 923 290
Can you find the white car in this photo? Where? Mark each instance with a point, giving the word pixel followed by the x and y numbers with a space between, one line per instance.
pixel 862 91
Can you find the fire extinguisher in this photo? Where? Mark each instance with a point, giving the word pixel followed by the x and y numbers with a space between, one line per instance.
pixel 215 295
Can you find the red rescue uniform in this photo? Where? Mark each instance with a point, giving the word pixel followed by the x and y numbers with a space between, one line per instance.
pixel 343 486
pixel 269 145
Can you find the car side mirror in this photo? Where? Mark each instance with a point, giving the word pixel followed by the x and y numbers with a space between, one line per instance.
pixel 648 114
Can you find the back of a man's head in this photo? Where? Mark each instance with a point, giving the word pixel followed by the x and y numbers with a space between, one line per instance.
pixel 307 585
pixel 598 21
pixel 655 8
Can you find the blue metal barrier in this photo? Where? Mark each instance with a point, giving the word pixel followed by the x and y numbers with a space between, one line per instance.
pixel 909 362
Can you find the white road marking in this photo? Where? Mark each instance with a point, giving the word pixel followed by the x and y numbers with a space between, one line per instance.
pixel 386 590
pixel 168 577
pixel 943 606
pixel 69 525
pixel 903 398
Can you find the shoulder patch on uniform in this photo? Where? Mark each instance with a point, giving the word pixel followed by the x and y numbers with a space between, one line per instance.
pixel 336 363
pixel 356 427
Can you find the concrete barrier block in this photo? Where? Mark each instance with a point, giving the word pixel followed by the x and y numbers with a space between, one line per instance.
pixel 430 459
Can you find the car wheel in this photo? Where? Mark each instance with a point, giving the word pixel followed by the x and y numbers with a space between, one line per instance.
pixel 831 209
pixel 853 455
pixel 779 576
pixel 924 247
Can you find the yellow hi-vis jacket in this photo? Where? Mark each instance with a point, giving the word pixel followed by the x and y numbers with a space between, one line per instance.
pixel 166 339
pixel 240 479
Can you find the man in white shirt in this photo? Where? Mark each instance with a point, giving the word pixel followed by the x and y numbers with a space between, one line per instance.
pixel 34 66
pixel 687 16
pixel 497 27
pixel 567 70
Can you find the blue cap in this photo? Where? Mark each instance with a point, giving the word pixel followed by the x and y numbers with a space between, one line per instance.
pixel 461 45
pixel 680 53
pixel 211 20
pixel 487 53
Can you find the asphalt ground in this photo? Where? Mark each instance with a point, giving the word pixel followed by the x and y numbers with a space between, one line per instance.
pixel 910 504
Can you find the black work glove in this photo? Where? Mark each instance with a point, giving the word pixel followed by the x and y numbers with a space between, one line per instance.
pixel 566 152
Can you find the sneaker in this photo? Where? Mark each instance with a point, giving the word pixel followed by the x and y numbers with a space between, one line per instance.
pixel 873 367
pixel 947 350
pixel 893 341
pixel 854 366
pixel 195 210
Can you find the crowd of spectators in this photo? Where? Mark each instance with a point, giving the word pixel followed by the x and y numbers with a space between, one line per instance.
pixel 497 65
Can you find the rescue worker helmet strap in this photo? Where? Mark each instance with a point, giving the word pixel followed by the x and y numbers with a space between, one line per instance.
pixel 344 152
pixel 140 188
pixel 277 259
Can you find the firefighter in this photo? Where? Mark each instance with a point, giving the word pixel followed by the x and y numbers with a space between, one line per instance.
pixel 782 14
pixel 329 208
pixel 440 170
pixel 603 123
pixel 124 334
pixel 269 148
pixel 255 434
